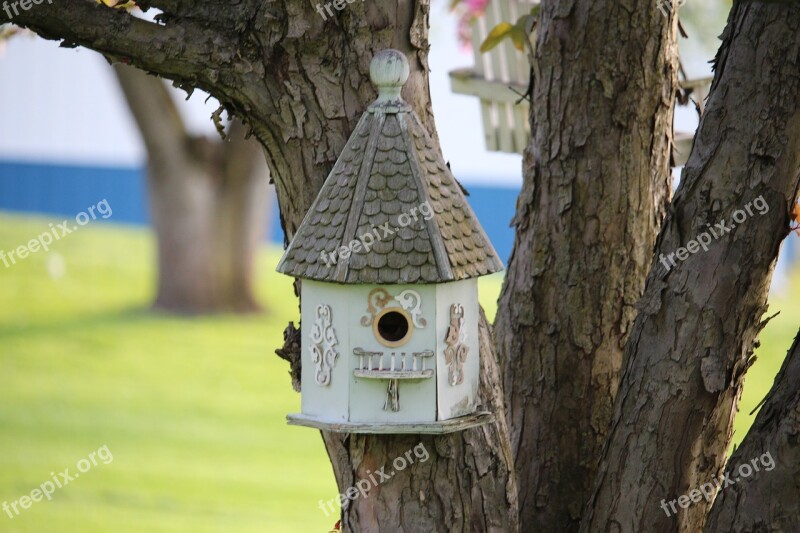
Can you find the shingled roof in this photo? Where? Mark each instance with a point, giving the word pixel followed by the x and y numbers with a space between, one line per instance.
pixel 390 172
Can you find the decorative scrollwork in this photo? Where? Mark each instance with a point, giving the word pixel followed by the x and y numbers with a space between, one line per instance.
pixel 456 352
pixel 410 301
pixel 323 339
pixel 377 300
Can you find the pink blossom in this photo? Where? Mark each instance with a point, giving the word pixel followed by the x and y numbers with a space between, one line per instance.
pixel 469 10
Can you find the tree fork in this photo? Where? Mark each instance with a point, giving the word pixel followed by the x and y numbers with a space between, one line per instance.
pixel 692 341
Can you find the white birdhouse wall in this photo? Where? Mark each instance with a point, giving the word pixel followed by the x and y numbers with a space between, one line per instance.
pixel 389 353
pixel 458 359
pixel 325 378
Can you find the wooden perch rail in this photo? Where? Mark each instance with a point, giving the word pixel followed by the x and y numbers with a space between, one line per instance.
pixel 366 367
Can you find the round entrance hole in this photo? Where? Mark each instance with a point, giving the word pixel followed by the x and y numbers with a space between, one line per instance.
pixel 393 327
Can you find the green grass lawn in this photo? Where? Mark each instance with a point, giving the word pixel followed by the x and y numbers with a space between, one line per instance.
pixel 193 410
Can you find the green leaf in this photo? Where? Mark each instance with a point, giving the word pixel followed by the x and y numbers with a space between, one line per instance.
pixel 496 36
pixel 518 37
pixel 519 33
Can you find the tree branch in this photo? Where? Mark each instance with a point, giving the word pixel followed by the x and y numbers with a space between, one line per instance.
pixel 187 52
pixel 769 499
pixel 160 123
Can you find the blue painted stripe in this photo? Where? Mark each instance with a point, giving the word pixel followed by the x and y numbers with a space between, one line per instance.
pixel 65 190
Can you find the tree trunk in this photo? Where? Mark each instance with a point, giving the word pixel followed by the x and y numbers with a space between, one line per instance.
pixel 692 342
pixel 468 483
pixel 301 83
pixel 767 499
pixel 244 204
pixel 208 201
pixel 597 180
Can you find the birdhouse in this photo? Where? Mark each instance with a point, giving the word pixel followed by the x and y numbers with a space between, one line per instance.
pixel 390 254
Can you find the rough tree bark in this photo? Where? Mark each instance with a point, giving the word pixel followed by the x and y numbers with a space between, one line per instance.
pixel 301 82
pixel 693 339
pixel 597 181
pixel 208 201
pixel 751 504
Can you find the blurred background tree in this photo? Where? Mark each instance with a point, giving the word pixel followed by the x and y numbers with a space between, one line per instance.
pixel 208 200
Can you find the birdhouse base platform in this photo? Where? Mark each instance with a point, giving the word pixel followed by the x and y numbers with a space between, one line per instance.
pixel 438 428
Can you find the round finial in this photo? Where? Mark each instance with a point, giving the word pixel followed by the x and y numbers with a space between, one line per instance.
pixel 389 72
